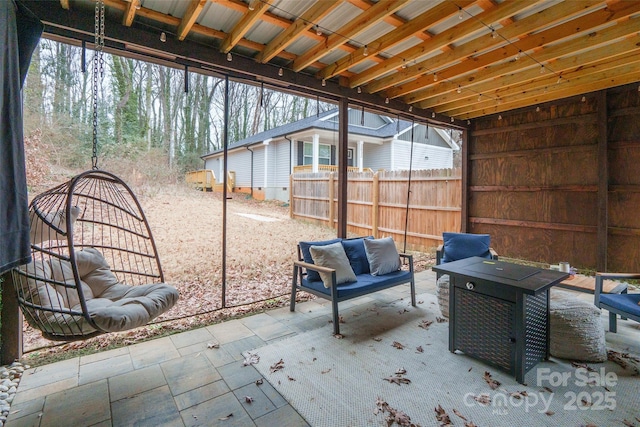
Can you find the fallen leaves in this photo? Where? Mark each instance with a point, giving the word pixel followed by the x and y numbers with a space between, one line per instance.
pixel 441 319
pixel 259 381
pixel 494 384
pixel 419 349
pixel 279 365
pixel 248 399
pixel 213 345
pixel 398 345
pixel 398 378
pixel 624 360
pixel 483 399
pixel 393 416
pixel 442 416
pixel 425 324
pixel 251 359
pixel 225 418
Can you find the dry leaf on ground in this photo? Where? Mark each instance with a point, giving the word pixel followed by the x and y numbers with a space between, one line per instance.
pixel 494 384
pixel 277 366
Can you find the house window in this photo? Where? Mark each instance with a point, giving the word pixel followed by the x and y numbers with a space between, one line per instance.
pixel 324 157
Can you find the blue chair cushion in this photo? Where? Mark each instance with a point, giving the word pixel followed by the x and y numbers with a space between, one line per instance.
pixel 627 303
pixel 306 255
pixel 464 245
pixel 354 249
pixel 366 281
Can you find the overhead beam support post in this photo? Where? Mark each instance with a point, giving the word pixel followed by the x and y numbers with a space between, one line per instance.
pixel 343 145
pixel 603 182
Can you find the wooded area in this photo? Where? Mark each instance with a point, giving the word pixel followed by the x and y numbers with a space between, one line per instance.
pixel 144 107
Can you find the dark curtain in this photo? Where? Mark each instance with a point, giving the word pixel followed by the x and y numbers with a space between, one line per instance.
pixel 20 33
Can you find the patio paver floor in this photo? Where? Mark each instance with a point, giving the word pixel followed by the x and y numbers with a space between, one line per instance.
pixel 178 380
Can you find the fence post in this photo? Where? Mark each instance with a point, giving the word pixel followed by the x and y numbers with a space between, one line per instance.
pixel 332 209
pixel 375 201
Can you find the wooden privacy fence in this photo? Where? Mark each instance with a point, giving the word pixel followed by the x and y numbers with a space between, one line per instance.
pixel 377 203
pixel 205 180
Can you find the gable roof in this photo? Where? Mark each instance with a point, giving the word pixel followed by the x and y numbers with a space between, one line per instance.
pixel 389 128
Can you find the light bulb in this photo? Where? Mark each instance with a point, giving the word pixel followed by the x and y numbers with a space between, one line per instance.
pixel 433 115
pixel 281 72
pixel 499 116
pixel 359 89
pixel 542 70
pixel 318 32
pixel 452 119
pixel 435 77
pixel 468 122
pixel 366 50
pixel 518 55
pixel 479 97
pixel 163 37
pixel 386 100
pixel 229 57
pixel 324 82
pixel 493 34
pixel 584 98
pixel 537 109
pixel 559 80
pixel 410 108
pixel 404 64
pixel 459 90
pixel 460 14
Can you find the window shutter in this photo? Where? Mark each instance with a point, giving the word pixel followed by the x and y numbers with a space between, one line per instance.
pixel 300 153
pixel 333 155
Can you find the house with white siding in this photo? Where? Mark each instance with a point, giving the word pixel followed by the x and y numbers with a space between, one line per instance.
pixel 263 162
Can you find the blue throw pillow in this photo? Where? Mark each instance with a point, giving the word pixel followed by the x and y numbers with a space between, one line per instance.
pixel 354 249
pixel 464 245
pixel 306 255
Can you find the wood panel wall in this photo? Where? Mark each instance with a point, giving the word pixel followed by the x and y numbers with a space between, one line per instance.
pixel 538 184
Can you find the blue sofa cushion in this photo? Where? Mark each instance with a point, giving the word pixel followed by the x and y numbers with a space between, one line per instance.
pixel 464 245
pixel 306 255
pixel 354 249
pixel 625 302
pixel 365 281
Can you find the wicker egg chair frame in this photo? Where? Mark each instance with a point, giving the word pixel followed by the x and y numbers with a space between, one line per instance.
pixel 109 219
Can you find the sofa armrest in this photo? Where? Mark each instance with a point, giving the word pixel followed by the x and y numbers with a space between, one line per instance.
pixel 409 259
pixel 493 253
pixel 297 265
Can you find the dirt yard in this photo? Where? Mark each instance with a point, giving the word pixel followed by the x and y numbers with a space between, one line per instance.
pixel 187 226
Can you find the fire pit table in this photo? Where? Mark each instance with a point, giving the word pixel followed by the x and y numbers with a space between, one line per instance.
pixel 499 312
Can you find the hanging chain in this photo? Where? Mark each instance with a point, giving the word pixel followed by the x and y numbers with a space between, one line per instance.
pixel 98 68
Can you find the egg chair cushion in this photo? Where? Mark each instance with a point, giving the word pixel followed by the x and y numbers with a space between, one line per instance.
pixel 113 306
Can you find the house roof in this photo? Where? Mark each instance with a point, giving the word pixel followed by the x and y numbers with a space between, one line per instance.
pixel 323 121
pixel 447 59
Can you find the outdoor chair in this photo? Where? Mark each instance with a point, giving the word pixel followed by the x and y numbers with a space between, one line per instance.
pixel 623 304
pixel 458 246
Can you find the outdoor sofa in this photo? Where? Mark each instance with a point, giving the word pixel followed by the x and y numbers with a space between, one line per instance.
pixel 342 269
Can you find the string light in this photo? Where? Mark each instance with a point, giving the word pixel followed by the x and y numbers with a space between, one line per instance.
pixel 435 77
pixel 366 51
pixel 324 82
pixel 163 37
pixel 559 80
pixel 459 90
pixel 318 32
pixel 359 89
pixel 281 72
pixel 584 98
pixel 452 119
pixel 229 57
pixel 460 14
pixel 493 33
pixel 468 122
pixel 386 100
pixel 518 55
pixel 499 116
pixel 479 97
pixel 538 109
pixel 542 70
pixel 433 115
pixel 410 108
pixel 404 64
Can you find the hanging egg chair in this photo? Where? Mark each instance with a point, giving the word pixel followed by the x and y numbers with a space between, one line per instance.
pixel 95 267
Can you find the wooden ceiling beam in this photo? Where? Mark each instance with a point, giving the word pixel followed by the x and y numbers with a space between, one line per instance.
pixel 365 20
pixel 568 68
pixel 474 51
pixel 418 25
pixel 64 4
pixel 606 43
pixel 437 42
pixel 189 18
pixel 539 98
pixel 130 12
pixel 577 82
pixel 312 15
pixel 243 26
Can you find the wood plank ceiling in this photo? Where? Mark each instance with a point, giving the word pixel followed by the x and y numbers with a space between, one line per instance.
pixel 460 59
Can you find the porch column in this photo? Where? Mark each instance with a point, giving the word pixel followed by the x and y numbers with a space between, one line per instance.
pixel 266 164
pixel 343 145
pixel 316 152
pixel 360 155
